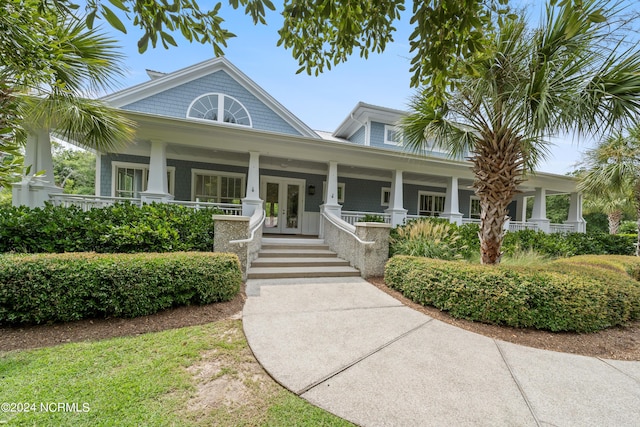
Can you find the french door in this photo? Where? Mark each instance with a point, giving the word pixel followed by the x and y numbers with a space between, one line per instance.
pixel 283 204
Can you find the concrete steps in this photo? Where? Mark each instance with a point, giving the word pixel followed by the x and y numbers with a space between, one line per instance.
pixel 298 258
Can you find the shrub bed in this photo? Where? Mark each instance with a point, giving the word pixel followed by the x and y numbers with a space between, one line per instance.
pixel 65 287
pixel 118 228
pixel 463 240
pixel 562 297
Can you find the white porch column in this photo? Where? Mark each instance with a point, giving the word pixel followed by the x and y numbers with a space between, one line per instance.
pixel 157 186
pixel 575 213
pixel 33 191
pixel 252 201
pixel 396 209
pixel 539 215
pixel 451 203
pixel 331 196
pixel 521 209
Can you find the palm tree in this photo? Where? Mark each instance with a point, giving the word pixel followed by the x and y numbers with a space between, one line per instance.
pixel 615 166
pixel 526 87
pixel 602 196
pixel 47 87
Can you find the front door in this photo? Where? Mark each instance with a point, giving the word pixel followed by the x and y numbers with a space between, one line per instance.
pixel 283 205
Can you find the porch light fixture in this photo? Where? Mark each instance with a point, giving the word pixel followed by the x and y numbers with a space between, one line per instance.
pixel 311 190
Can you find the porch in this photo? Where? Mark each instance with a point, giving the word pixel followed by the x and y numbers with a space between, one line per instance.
pixel 293 178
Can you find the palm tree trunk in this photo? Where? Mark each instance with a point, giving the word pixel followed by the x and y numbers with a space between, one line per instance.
pixel 614 218
pixel 498 170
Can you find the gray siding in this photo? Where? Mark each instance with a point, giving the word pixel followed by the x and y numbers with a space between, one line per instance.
pixel 377 137
pixel 175 102
pixel 360 194
pixel 359 136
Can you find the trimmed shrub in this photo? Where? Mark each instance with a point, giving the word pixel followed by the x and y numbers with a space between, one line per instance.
pixel 563 297
pixel 122 227
pixel 65 287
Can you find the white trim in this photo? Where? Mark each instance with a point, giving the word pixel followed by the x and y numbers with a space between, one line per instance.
pixel 341 191
pixel 395 130
pixel 98 180
pixel 471 199
pixel 208 172
pixel 384 190
pixel 145 167
pixel 194 72
pixel 430 193
pixel 220 108
pixel 264 179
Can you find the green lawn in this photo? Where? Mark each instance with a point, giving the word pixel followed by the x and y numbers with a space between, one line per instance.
pixel 196 376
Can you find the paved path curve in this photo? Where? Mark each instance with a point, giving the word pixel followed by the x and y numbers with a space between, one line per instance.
pixel 355 351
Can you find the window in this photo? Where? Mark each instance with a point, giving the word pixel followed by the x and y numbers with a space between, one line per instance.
pixel 430 147
pixel 430 204
pixel 130 179
pixel 474 207
pixel 392 135
pixel 219 108
pixel 340 191
pixel 217 187
pixel 385 196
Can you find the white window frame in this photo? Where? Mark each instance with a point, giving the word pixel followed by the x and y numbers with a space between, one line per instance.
pixel 430 147
pixel 383 191
pixel 433 194
pixel 471 200
pixel 341 190
pixel 395 130
pixel 171 170
pixel 220 118
pixel 220 174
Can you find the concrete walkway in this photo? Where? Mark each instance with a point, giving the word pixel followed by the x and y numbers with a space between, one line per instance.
pixel 351 349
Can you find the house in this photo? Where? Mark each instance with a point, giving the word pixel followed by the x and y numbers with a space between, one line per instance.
pixel 209 134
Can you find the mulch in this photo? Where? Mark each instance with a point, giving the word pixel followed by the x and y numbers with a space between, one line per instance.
pixel 621 343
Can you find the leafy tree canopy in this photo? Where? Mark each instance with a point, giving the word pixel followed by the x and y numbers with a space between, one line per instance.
pixel 319 33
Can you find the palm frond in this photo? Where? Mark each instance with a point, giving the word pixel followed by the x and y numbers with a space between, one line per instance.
pixel 89 123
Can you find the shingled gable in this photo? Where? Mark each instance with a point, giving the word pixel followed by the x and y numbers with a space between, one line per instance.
pixel 162 83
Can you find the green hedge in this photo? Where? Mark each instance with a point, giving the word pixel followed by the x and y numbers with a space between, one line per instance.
pixel 65 287
pixel 120 228
pixel 562 297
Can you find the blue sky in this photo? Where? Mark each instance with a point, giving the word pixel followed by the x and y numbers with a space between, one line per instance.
pixel 322 102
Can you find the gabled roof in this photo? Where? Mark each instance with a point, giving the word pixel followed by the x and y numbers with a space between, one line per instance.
pixel 363 113
pixel 160 83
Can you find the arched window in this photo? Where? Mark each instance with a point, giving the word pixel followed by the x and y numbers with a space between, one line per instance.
pixel 219 108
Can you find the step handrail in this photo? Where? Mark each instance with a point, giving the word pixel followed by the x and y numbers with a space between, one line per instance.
pixel 344 226
pixel 256 221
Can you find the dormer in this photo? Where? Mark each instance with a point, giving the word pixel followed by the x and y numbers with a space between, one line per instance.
pixel 376 126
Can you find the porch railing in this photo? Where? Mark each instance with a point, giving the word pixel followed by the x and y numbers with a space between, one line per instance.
pixel 86 202
pixel 561 228
pixel 227 208
pixel 522 225
pixel 351 217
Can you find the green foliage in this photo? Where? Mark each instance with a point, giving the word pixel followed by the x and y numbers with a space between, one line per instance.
pixel 118 228
pixel 596 222
pixel 628 227
pixel 557 207
pixel 65 287
pixel 569 244
pixel 463 241
pixel 560 297
pixel 428 237
pixel 74 170
pixel 372 218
